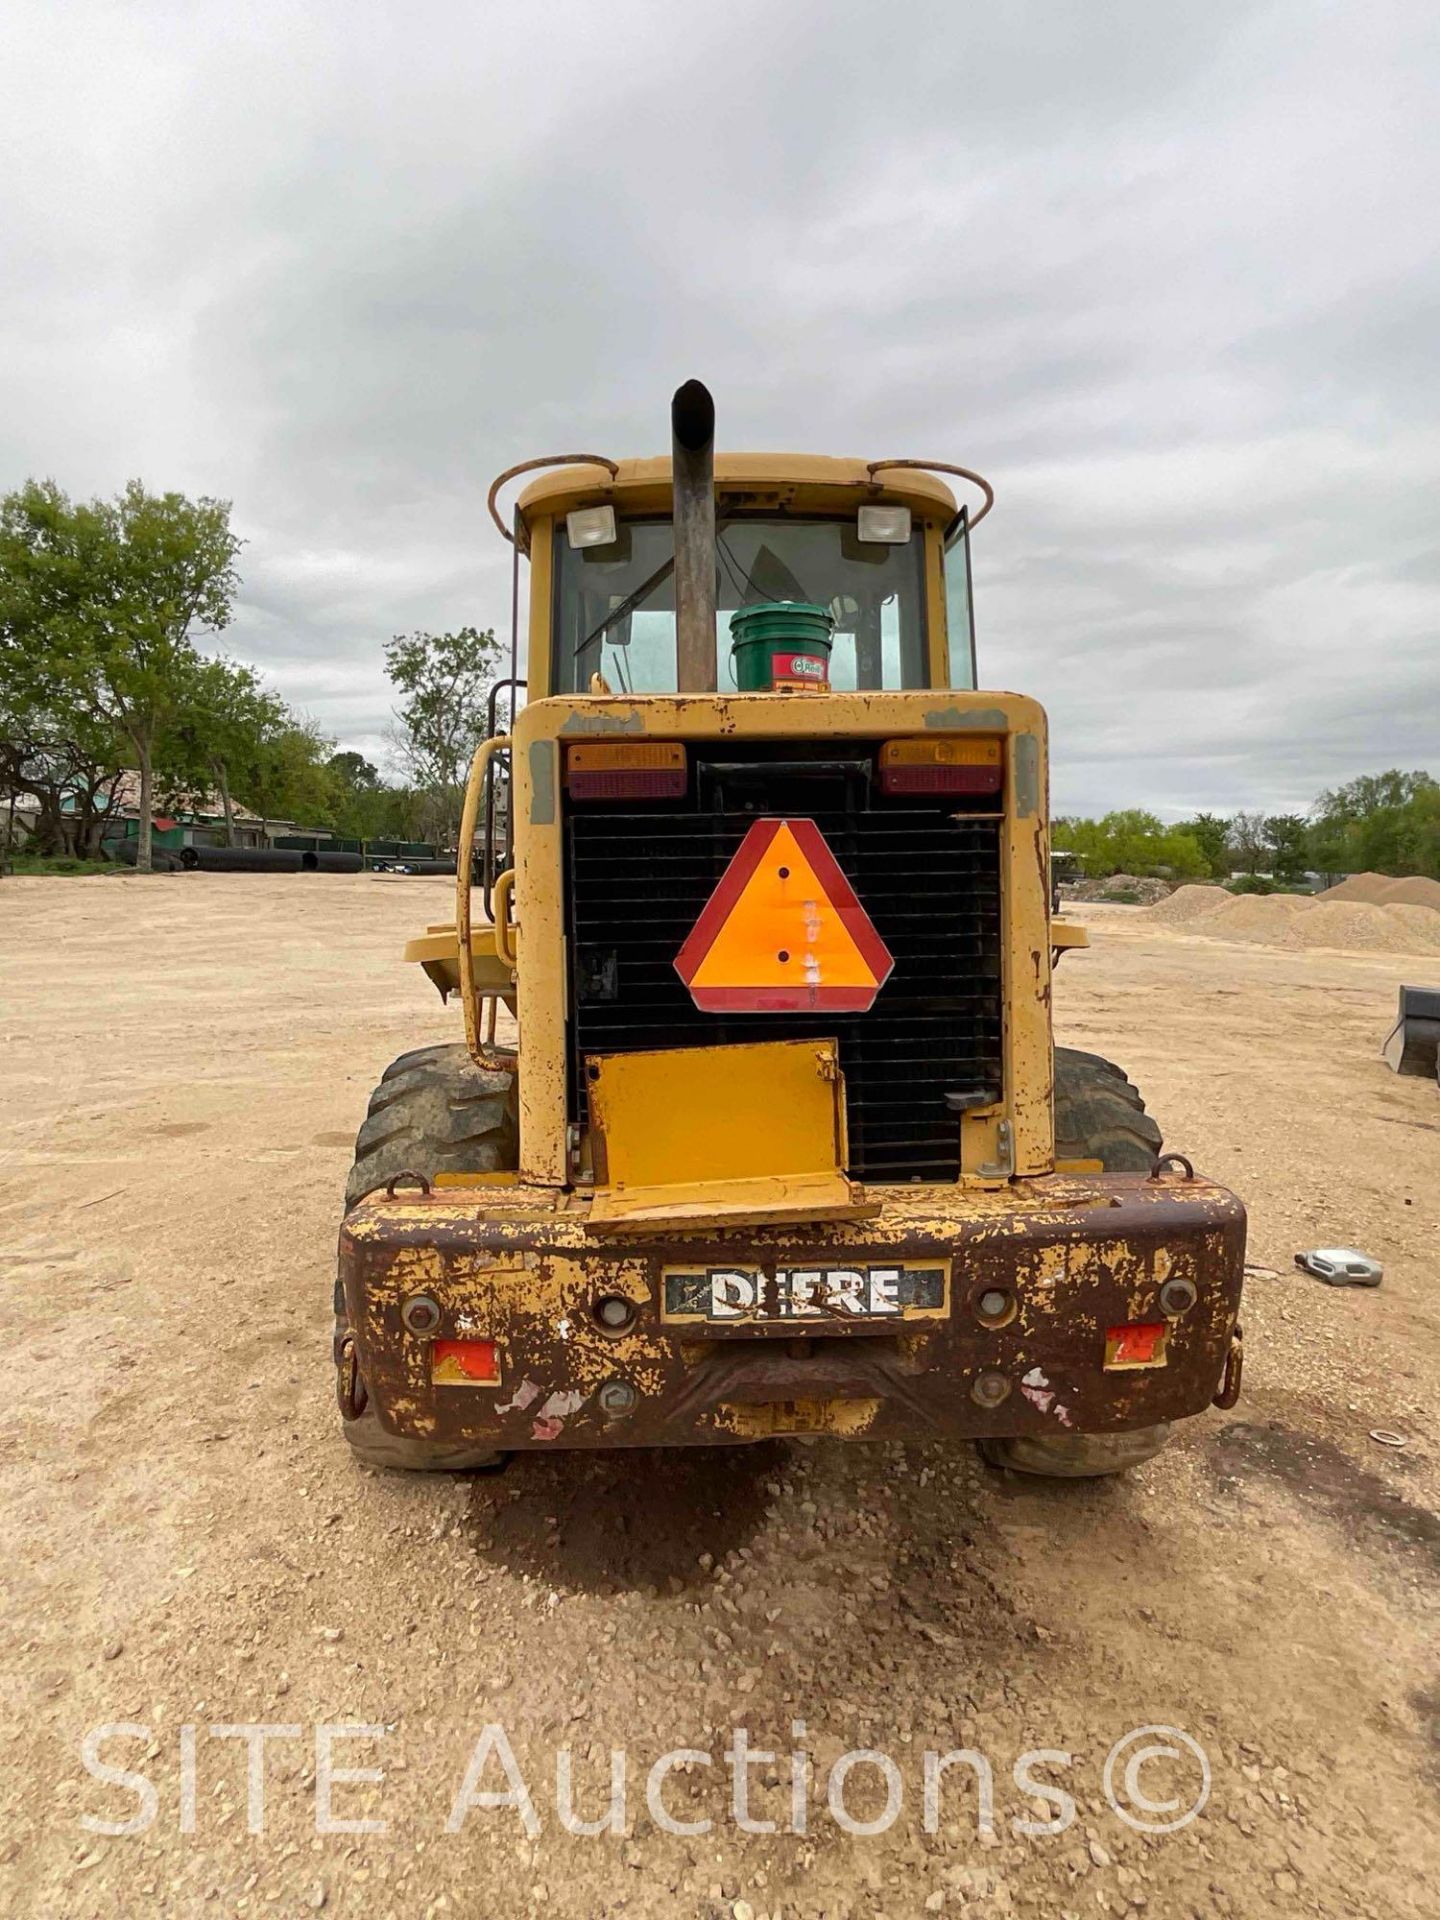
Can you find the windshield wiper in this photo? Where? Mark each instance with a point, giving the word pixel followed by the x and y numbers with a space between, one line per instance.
pixel 627 605
pixel 642 592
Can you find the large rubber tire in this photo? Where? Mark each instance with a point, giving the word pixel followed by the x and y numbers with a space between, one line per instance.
pixel 1099 1115
pixel 372 1446
pixel 434 1111
pixel 1076 1456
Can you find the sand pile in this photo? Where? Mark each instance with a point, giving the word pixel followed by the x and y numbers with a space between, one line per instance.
pixel 1146 889
pixel 1379 890
pixel 1189 903
pixel 1369 887
pixel 1299 921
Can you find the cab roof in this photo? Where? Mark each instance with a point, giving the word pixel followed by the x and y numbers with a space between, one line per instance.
pixel 797 480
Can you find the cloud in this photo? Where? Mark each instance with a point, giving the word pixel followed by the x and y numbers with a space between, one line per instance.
pixel 1168 276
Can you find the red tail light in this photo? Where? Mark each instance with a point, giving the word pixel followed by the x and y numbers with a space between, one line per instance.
pixel 465 1363
pixel 1141 1344
pixel 948 765
pixel 626 770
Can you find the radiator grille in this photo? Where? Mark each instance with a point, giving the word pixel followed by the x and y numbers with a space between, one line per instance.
pixel 928 878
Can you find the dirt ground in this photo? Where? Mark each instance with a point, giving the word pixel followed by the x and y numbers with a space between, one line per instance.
pixel 183 1062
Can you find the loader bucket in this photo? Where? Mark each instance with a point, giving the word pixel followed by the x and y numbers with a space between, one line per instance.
pixel 1413 1045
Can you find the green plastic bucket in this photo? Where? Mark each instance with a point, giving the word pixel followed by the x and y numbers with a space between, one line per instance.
pixel 781 646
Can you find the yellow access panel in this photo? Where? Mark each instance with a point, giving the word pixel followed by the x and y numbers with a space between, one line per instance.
pixel 724 1134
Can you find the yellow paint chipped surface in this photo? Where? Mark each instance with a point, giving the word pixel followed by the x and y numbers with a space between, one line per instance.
pixel 841 1419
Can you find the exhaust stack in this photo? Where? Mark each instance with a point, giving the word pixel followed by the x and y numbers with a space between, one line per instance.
pixel 692 431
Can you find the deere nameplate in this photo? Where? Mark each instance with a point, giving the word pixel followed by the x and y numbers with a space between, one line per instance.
pixel 731 1294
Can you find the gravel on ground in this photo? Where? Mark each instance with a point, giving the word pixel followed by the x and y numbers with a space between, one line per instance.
pixel 189 1545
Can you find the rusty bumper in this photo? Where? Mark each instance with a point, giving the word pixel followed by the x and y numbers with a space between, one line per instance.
pixel 1007 1317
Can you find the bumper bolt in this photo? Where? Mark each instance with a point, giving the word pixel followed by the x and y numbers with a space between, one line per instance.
pixel 421 1313
pixel 1177 1297
pixel 617 1396
pixel 614 1312
pixel 995 1307
pixel 990 1389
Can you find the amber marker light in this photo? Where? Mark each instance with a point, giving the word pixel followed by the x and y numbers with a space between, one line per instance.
pixel 626 770
pixel 972 764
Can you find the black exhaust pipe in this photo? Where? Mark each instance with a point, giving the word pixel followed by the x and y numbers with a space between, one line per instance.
pixel 692 433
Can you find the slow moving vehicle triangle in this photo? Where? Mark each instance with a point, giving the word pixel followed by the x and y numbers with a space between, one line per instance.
pixel 783 931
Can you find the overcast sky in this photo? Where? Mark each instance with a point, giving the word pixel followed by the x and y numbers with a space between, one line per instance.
pixel 1166 272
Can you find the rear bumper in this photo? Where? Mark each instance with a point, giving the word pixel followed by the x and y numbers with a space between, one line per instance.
pixel 1078 1257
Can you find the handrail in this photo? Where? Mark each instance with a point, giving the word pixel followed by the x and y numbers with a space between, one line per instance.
pixel 529 466
pixel 494 859
pixel 944 466
pixel 503 926
pixel 464 880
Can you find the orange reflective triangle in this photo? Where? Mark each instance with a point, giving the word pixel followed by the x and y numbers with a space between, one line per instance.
pixel 783 931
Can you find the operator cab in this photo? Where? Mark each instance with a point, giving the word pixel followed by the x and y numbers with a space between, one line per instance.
pixel 615 596
pixel 887 561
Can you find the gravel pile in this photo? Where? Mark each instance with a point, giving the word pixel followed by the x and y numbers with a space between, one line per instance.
pixel 1300 921
pixel 1380 890
pixel 1147 889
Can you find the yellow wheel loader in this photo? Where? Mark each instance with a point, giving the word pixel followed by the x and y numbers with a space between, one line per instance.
pixel 784 1146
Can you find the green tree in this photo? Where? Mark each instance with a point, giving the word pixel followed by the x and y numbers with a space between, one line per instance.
pixel 290 778
pixel 1180 856
pixel 64 760
pixel 445 681
pixel 1249 849
pixel 1375 824
pixel 1287 836
pixel 1420 834
pixel 354 770
pixel 218 732
pixel 1131 841
pixel 103 600
pixel 367 807
pixel 1211 833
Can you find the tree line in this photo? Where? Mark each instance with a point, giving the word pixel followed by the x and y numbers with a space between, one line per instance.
pixel 110 611
pixel 1380 823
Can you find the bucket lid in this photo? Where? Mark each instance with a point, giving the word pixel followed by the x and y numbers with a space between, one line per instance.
pixel 769 609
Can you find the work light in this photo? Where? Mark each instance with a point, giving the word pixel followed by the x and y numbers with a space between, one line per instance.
pixel 888 526
pixel 591 527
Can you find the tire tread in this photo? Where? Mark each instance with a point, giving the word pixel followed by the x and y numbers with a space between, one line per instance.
pixel 435 1111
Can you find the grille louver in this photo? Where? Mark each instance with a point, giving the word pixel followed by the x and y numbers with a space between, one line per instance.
pixel 929 879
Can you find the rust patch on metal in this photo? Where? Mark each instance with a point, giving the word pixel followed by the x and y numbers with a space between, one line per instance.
pixel 1079 1256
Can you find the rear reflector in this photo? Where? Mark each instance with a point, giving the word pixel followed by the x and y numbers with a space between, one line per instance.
pixel 465 1363
pixel 626 770
pixel 950 765
pixel 1141 1344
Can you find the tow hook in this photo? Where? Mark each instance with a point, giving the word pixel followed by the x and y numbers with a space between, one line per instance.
pixel 349 1387
pixel 1228 1392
